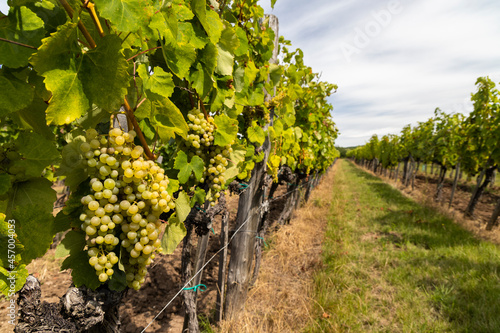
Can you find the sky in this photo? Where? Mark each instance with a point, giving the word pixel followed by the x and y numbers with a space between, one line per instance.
pixel 394 61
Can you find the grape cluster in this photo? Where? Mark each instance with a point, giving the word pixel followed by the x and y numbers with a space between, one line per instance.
pixel 201 141
pixel 128 194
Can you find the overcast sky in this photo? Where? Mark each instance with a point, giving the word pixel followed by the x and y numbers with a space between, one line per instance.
pixel 394 61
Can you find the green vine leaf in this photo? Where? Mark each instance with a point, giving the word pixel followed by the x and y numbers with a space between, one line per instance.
pixel 159 82
pixel 14 93
pixel 256 134
pixel 175 232
pixel 20 279
pixel 126 15
pixel 104 74
pixel 22 26
pixel 56 51
pixel 227 129
pixel 5 183
pixel 208 19
pixel 225 62
pixel 37 152
pixel 68 101
pixel 182 206
pixel 164 116
pixel 185 169
pixel 31 206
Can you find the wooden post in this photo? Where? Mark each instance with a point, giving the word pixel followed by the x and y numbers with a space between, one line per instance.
pixel 494 217
pixel 221 282
pixel 247 220
pixel 455 182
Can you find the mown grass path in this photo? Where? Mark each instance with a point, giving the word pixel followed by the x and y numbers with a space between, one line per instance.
pixel 391 265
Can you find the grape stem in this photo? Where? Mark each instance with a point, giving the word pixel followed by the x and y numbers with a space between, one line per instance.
pixel 140 135
pixel 91 9
pixel 202 106
pixel 17 43
pixel 138 54
pixel 82 28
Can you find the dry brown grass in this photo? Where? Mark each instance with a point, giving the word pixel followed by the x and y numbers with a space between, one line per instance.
pixel 281 300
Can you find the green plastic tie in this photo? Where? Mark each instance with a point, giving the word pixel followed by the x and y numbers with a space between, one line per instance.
pixel 200 287
pixel 265 244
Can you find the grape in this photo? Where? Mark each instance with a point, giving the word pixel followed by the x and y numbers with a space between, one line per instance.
pixel 122 207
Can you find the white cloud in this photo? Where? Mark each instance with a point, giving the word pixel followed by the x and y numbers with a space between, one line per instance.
pixel 428 55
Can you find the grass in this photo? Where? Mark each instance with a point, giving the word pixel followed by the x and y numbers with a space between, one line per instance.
pixel 391 265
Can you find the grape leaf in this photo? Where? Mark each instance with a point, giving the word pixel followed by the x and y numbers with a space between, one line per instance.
pixel 179 58
pixel 37 191
pixel 198 197
pixel 159 83
pixel 71 164
pixel 173 186
pixel 16 249
pixel 62 222
pixel 275 74
pixel 104 74
pixel 225 62
pixel 175 232
pixel 182 206
pixel 54 51
pixel 14 93
pixel 31 207
pixel 33 116
pixel 82 273
pixel 236 159
pixel 192 34
pixel 256 134
pixel 68 100
pixel 229 40
pixel 22 26
pixel 208 57
pixel 37 153
pixel 126 15
pixel 164 22
pixel 243 42
pixel 185 169
pixel 202 80
pixel 118 282
pixel 164 116
pixel 227 129
pixel 73 242
pixel 208 19
pixel 20 276
pixel 30 221
pixel 5 181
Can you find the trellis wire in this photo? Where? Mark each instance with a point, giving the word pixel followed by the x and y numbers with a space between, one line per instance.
pixel 212 258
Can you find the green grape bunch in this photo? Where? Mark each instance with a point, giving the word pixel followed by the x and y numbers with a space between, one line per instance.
pixel 200 142
pixel 121 214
